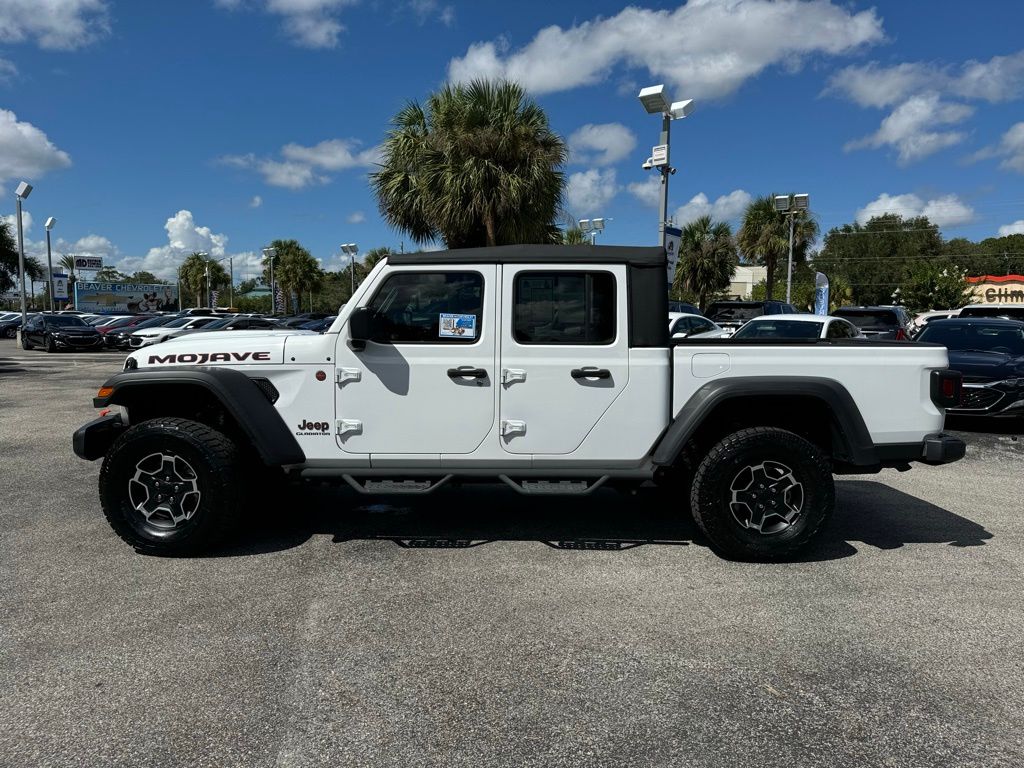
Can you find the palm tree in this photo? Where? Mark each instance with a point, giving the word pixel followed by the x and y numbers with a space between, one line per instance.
pixel 68 262
pixel 295 269
pixel 574 236
pixel 193 276
pixel 707 258
pixel 764 236
pixel 478 165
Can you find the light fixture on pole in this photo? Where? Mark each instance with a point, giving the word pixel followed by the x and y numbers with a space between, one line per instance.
pixel 21 193
pixel 790 205
pixel 206 256
pixel 592 227
pixel 351 250
pixel 657 102
pixel 49 259
pixel 270 254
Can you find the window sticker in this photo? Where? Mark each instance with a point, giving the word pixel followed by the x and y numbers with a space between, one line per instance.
pixel 458 326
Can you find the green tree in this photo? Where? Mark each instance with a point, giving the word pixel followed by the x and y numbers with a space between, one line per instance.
pixel 143 276
pixel 707 259
pixel 8 259
pixel 764 237
pixel 574 236
pixel 478 165
pixel 934 286
pixel 109 275
pixel 295 270
pixel 194 277
pixel 879 257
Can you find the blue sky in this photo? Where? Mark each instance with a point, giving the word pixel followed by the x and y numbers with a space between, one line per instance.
pixel 150 129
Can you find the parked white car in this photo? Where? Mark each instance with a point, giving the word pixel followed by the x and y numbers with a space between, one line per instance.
pixel 923 318
pixel 149 336
pixel 798 326
pixel 682 325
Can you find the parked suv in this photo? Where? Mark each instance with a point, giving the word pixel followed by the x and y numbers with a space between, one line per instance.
pixel 1006 311
pixel 879 322
pixel 733 314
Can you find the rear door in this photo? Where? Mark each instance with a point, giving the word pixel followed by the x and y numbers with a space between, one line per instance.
pixel 564 353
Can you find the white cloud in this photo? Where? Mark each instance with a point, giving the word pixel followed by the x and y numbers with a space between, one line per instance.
pixel 356 217
pixel 999 79
pixel 183 237
pixel 920 95
pixel 647 191
pixel 256 201
pixel 1010 148
pixel 25 151
pixel 309 23
pixel 601 144
pixel 425 10
pixel 945 211
pixel 588 192
pixel 303 166
pixel 910 128
pixel 1017 228
pixel 8 71
pixel 705 48
pixel 54 24
pixel 725 208
pixel 11 220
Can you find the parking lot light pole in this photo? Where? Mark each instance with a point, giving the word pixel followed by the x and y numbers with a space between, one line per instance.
pixel 789 205
pixel 271 254
pixel 49 259
pixel 351 250
pixel 657 102
pixel 205 255
pixel 21 193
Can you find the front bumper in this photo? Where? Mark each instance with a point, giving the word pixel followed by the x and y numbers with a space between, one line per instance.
pixel 78 342
pixel 998 398
pixel 92 441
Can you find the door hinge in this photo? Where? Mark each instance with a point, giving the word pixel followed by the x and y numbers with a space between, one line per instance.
pixel 510 428
pixel 341 375
pixel 350 427
pixel 512 375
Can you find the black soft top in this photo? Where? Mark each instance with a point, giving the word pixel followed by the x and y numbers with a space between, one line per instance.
pixel 540 254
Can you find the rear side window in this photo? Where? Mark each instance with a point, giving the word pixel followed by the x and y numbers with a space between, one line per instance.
pixel 430 307
pixel 564 308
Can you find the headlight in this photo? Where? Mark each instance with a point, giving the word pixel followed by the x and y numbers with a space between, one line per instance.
pixel 1012 383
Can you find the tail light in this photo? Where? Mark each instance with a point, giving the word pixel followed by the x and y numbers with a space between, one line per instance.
pixel 901 335
pixel 947 388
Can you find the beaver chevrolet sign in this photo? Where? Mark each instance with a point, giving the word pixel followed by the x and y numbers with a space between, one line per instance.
pixel 125 297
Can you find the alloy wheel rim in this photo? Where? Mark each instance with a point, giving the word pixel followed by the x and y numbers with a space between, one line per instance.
pixel 165 490
pixel 766 498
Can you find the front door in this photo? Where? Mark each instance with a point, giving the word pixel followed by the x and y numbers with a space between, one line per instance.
pixel 426 384
pixel 564 354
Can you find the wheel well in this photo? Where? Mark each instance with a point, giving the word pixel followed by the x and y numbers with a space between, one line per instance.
pixel 805 415
pixel 187 401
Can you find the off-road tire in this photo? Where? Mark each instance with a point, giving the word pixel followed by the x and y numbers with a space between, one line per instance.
pixel 218 468
pixel 712 494
pixel 51 346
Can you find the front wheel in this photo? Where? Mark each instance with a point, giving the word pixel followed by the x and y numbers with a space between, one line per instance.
pixel 169 486
pixel 11 333
pixel 51 345
pixel 24 342
pixel 762 494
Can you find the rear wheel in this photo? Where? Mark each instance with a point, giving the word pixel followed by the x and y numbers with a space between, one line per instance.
pixel 169 486
pixel 762 494
pixel 11 333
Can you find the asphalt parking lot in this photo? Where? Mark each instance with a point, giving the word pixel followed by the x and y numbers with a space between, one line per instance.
pixel 595 632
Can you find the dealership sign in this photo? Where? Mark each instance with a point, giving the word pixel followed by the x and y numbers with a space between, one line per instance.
pixel 88 262
pixel 60 286
pixel 998 289
pixel 125 297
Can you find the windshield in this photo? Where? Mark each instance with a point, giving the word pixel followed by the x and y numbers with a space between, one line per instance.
pixel 981 338
pixel 869 318
pixel 725 311
pixel 779 329
pixel 153 322
pixel 181 322
pixel 65 321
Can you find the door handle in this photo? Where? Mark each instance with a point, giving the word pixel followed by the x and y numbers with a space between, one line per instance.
pixel 591 373
pixel 467 372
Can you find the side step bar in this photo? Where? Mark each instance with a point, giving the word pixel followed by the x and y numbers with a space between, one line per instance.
pixel 554 487
pixel 388 485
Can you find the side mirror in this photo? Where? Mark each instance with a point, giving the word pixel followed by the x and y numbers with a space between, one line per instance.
pixel 361 327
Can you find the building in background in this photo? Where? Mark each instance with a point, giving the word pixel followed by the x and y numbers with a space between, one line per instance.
pixel 744 279
pixel 997 289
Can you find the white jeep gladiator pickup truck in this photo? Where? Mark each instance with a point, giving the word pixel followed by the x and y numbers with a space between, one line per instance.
pixel 547 368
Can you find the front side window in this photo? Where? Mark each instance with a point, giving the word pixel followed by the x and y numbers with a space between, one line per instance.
pixel 429 307
pixel 564 308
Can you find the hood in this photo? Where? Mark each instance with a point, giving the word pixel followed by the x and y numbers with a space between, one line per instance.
pixel 986 366
pixel 235 348
pixel 73 330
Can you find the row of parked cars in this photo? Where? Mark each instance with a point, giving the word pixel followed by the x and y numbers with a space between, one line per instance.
pixel 79 330
pixel 985 341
